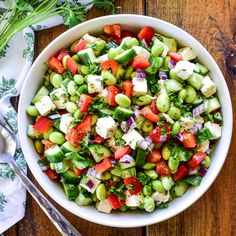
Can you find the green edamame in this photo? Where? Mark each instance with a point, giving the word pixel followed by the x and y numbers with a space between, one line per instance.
pixel 176 127
pixel 147 126
pixel 94 119
pixel 152 174
pixel 105 175
pixel 148 166
pixel 207 162
pixel 46 135
pixel 82 89
pixel 108 77
pixel 157 49
pixel 55 79
pixel 174 113
pixel 131 42
pixel 123 208
pixel 157 186
pixel 32 111
pixel 191 94
pixel 75 57
pixel 57 138
pixel 84 69
pixel 143 100
pixel 38 146
pixel 115 178
pixel 163 100
pixel 147 190
pixel 122 100
pixel 166 62
pixel 167 182
pixel 78 115
pixel 71 107
pixel 182 94
pixel 74 98
pixel 72 88
pixel 165 152
pixel 173 162
pixel 64 60
pixel 101 192
pixel 128 72
pixel 149 204
pixel 79 79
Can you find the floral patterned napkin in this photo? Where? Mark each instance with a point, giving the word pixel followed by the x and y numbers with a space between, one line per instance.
pixel 15 61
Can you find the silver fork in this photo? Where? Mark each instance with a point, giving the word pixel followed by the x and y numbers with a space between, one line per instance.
pixel 7 151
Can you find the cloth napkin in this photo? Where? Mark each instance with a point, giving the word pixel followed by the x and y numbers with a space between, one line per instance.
pixel 15 62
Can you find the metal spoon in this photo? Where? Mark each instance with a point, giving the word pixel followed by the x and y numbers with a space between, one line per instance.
pixel 7 150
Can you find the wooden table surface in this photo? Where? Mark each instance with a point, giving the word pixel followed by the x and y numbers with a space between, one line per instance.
pixel 213 23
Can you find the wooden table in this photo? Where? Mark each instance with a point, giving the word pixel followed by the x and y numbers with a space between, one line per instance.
pixel 213 23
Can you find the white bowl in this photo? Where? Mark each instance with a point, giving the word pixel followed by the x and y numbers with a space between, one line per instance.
pixel 136 218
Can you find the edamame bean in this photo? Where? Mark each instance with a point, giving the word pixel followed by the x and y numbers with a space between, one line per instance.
pixel 151 173
pixel 32 110
pixel 78 79
pixel 78 115
pixel 147 190
pixel 106 175
pixel 72 88
pixel 94 197
pixel 167 182
pixel 182 94
pixel 57 138
pixel 94 119
pixel 157 186
pixel 64 83
pixel 163 100
pixel 176 127
pixel 38 146
pixel 122 100
pixel 52 166
pixel 157 49
pixel 191 94
pixel 149 204
pixel 46 135
pixel 143 100
pixel 165 152
pixel 71 107
pixel 149 166
pixel 115 178
pixel 82 89
pixel 75 57
pixel 123 208
pixel 147 126
pixel 112 53
pixel 55 79
pixel 157 62
pixel 108 77
pixel 174 113
pixel 128 72
pixel 84 69
pixel 174 76
pixel 64 60
pixel 74 98
pixel 101 192
pixel 173 162
pixel 207 162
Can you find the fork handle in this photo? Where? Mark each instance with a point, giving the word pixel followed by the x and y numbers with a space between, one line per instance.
pixel 61 223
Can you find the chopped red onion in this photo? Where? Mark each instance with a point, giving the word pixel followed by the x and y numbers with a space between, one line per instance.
pixel 208 151
pixel 194 171
pixel 197 127
pixel 112 159
pixel 54 116
pixel 163 75
pixel 171 64
pixel 94 173
pixel 140 74
pixel 199 109
pixel 131 123
pixel 162 138
pixel 146 45
pixel 202 171
pixel 124 127
pixel 144 144
pixel 152 145
pixel 90 184
pixel 149 139
pixel 126 159
pixel 136 113
pixel 180 137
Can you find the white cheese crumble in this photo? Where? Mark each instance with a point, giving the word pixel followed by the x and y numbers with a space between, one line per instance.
pixel 133 200
pixel 208 88
pixel 45 105
pixel 140 87
pixel 65 122
pixel 132 138
pixel 215 129
pixel 106 127
pixel 94 84
pixel 59 97
pixel 184 69
pixel 160 197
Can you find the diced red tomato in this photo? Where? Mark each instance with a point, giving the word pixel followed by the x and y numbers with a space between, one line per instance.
pixel 146 33
pixel 85 125
pixel 154 107
pixel 127 87
pixel 154 156
pixel 162 168
pixel 157 136
pixel 56 65
pixel 133 185
pixel 115 202
pixel 189 140
pixel 62 53
pixel 73 137
pixel 196 160
pixel 110 183
pixel 140 63
pixel 180 173
pixel 110 64
pixel 104 165
pixel 98 139
pixel 62 112
pixel 112 91
pixel 113 30
pixel 71 65
pixel 85 101
pixel 47 144
pixel 81 45
pixel 52 174
pixel 78 171
pixel 147 113
pixel 175 56
pixel 121 151
pixel 126 33
pixel 115 39
pixel 42 124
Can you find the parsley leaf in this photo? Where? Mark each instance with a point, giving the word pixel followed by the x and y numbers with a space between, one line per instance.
pixel 107 5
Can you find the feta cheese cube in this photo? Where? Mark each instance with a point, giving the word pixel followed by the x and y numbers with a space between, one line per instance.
pixel 215 129
pixel 141 52
pixel 140 87
pixel 187 123
pixel 160 197
pixel 106 127
pixel 59 97
pixel 133 200
pixel 45 105
pixel 208 88
pixel 132 138
pixel 65 122
pixel 103 94
pixel 184 69
pixel 89 183
pixel 94 84
pixel 104 206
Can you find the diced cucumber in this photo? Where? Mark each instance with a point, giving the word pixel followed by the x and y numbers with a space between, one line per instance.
pixel 84 199
pixel 80 162
pixel 173 85
pixel 200 69
pixel 198 100
pixel 105 112
pixel 171 43
pixel 213 104
pixel 124 165
pixel 120 72
pixel 54 154
pixel 141 157
pixel 70 190
pixel 187 53
pixel 183 154
pixel 71 177
pixel 41 93
pixel 139 121
pixel 87 56
pixel 196 80
pixel 61 167
pixel 99 152
pixel 122 114
pixel 126 56
pixel 32 133
pixel 218 116
pixel 180 188
pixel 174 76
pixel 194 180
pixel 116 171
pixel 128 172
pixel 67 147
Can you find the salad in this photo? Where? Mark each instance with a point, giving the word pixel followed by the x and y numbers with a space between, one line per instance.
pixel 125 121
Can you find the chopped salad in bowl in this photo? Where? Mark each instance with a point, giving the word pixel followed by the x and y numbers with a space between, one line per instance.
pixel 125 121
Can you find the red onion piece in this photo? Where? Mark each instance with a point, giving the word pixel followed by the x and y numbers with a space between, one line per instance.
pixel 90 184
pixel 199 109
pixel 163 75
pixel 180 137
pixel 112 159
pixel 149 139
pixel 162 138
pixel 197 127
pixel 140 74
pixel 136 113
pixel 126 159
pixel 94 173
pixel 131 123
pixel 144 145
pixel 171 64
pixel 202 171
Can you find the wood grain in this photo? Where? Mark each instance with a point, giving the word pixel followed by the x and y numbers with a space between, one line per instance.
pixel 213 23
